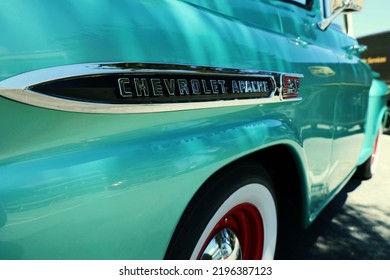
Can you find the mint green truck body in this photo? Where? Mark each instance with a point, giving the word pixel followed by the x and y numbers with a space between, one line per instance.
pixel 115 114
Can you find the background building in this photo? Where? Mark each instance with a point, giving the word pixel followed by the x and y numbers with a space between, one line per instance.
pixel 377 54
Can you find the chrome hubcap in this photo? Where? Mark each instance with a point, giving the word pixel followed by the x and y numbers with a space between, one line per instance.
pixel 223 246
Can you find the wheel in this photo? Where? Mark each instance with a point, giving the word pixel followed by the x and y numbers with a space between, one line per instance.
pixel 233 217
pixel 367 169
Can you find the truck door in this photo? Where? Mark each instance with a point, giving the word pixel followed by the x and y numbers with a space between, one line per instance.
pixel 312 54
pixel 337 85
pixel 351 102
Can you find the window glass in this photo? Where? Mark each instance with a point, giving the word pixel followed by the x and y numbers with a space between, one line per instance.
pixel 327 8
pixel 303 2
pixel 307 4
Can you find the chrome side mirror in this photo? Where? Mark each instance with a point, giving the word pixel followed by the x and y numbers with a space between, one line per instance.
pixel 338 7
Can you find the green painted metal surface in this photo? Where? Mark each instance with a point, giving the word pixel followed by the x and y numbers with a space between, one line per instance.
pixel 101 186
pixel 376 117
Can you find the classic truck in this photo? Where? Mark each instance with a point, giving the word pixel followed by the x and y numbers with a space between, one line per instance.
pixel 177 129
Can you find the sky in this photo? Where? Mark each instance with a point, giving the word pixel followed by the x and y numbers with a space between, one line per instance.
pixel 374 18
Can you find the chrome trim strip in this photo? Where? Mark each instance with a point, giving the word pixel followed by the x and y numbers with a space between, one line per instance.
pixel 28 79
pixel 19 88
pixel 49 102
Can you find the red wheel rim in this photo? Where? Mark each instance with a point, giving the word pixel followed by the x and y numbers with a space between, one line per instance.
pixel 375 149
pixel 246 222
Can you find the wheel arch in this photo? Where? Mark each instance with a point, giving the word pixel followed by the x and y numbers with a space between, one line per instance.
pixel 285 167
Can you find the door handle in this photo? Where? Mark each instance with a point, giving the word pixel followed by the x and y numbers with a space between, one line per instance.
pixel 356 49
pixel 298 41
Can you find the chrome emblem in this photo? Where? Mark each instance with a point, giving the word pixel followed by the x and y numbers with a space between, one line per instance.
pixel 162 84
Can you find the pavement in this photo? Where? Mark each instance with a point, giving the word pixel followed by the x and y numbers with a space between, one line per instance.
pixel 355 225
